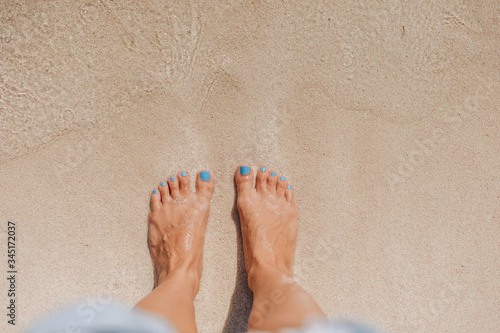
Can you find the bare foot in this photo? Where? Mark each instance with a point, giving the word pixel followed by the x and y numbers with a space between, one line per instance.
pixel 268 216
pixel 177 223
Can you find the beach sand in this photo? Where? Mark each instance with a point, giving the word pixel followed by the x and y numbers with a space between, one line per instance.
pixel 383 115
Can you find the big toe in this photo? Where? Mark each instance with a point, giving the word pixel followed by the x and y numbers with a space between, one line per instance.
pixel 244 178
pixel 204 184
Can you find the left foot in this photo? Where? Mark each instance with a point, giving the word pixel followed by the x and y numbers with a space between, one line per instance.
pixel 177 223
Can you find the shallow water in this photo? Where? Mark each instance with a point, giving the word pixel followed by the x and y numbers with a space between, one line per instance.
pixel 383 116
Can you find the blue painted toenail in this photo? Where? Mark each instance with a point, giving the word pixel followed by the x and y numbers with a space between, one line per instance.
pixel 163 184
pixel 172 179
pixel 289 187
pixel 205 175
pixel 273 174
pixel 155 191
pixel 262 169
pixel 183 174
pixel 245 170
pixel 282 178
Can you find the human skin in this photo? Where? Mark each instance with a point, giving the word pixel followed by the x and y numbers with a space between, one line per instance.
pixel 177 223
pixel 268 216
pixel 176 236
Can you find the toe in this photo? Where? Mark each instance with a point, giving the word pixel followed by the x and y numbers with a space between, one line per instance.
pixel 261 183
pixel 271 182
pixel 282 184
pixel 289 196
pixel 244 178
pixel 184 183
pixel 204 184
pixel 173 184
pixel 165 193
pixel 155 203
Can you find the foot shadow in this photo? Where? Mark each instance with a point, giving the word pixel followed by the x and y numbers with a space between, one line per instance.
pixel 242 299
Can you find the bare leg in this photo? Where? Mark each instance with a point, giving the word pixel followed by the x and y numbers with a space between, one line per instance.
pixel 176 235
pixel 268 216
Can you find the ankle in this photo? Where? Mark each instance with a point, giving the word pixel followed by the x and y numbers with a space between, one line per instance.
pixel 260 274
pixel 184 277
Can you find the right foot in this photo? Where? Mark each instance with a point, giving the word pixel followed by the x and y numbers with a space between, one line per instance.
pixel 268 217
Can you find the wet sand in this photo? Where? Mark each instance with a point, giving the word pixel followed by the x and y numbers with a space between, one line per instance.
pixel 382 115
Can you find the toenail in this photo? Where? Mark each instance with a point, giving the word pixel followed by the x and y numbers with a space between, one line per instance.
pixel 172 179
pixel 155 191
pixel 262 169
pixel 245 170
pixel 163 184
pixel 282 178
pixel 289 187
pixel 183 174
pixel 205 175
pixel 273 173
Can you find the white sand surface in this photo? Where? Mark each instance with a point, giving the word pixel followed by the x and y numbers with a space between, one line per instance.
pixel 383 115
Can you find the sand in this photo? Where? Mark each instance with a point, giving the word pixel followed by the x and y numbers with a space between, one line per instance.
pixel 383 115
